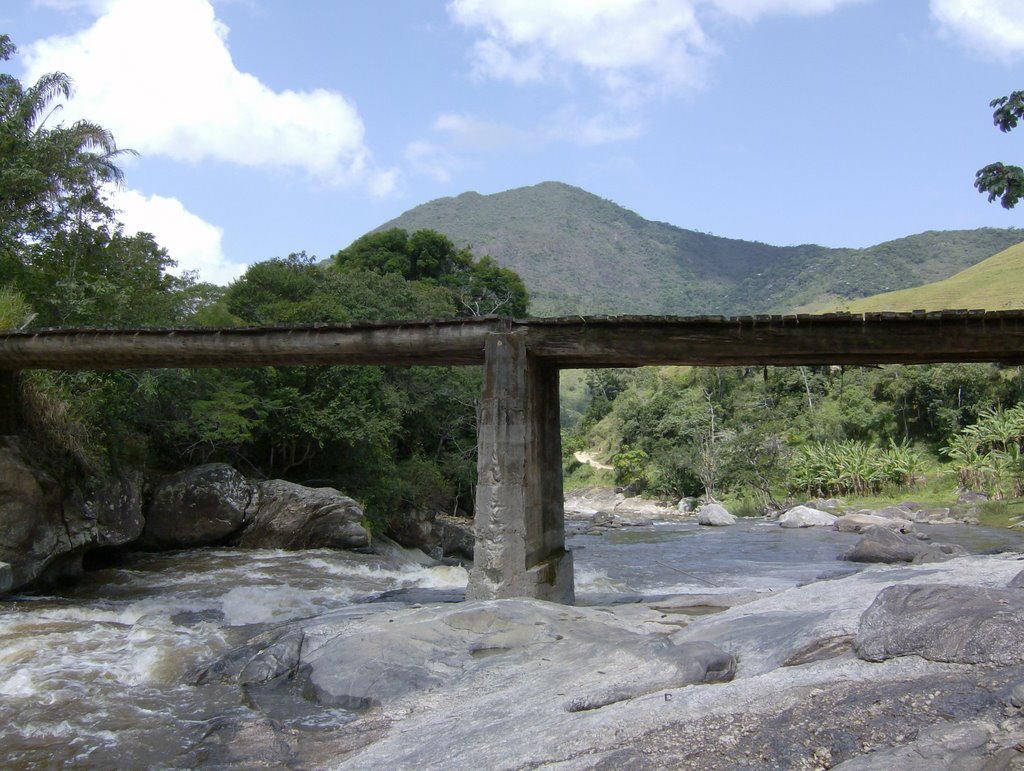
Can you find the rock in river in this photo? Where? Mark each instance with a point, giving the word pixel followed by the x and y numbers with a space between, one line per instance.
pixel 805 516
pixel 715 515
pixel 881 544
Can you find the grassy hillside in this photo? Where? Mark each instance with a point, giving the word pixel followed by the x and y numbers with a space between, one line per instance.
pixel 579 253
pixel 993 284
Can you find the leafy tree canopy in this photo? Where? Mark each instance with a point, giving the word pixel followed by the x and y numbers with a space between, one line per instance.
pixel 997 179
pixel 477 287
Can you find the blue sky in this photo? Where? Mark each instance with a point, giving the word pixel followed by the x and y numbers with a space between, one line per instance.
pixel 271 126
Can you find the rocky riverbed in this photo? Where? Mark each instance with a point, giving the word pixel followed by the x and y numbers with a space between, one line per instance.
pixel 916 667
pixel 825 638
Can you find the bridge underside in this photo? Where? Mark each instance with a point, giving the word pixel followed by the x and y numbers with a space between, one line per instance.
pixel 520 547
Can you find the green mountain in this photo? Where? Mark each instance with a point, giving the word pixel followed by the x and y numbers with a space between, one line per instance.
pixel 993 284
pixel 581 254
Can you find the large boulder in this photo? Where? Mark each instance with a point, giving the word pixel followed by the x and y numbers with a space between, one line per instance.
pixel 47 526
pixel 955 624
pixel 715 515
pixel 860 521
pixel 805 516
pixel 457 536
pixel 202 506
pixel 882 544
pixel 414 529
pixel 290 516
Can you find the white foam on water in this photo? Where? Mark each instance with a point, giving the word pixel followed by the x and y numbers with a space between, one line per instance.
pixel 271 604
pixel 439 577
pixel 596 580
pixel 18 683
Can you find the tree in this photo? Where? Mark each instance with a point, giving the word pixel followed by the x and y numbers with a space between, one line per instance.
pixel 61 246
pixel 477 287
pixel 999 180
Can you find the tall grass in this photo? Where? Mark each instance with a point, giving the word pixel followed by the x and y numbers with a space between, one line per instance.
pixel 15 312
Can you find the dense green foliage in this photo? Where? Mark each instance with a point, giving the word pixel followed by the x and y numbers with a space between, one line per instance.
pixel 1000 181
pixel 581 254
pixel 772 432
pixel 477 287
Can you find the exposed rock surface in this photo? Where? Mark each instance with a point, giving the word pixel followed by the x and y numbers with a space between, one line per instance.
pixel 956 624
pixel 715 515
pixel 805 516
pixel 523 684
pixel 456 536
pixel 414 529
pixel 290 516
pixel 201 506
pixel 882 544
pixel 47 526
pixel 357 660
pixel 860 521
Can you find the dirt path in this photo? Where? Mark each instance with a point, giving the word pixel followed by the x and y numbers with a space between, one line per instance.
pixel 585 457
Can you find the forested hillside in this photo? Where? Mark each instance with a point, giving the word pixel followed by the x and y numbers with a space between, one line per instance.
pixel 578 253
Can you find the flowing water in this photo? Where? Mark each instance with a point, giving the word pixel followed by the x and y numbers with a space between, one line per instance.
pixel 96 677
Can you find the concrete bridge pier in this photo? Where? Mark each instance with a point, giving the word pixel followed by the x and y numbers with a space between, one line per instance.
pixel 520 529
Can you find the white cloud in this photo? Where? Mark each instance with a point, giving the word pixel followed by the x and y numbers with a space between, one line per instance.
pixel 468 131
pixel 635 47
pixel 159 74
pixel 430 160
pixel 993 28
pixel 190 240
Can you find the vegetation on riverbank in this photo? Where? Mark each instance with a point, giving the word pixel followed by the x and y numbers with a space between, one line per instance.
pixel 757 437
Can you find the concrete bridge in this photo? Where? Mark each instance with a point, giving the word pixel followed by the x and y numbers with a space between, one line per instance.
pixel 520 547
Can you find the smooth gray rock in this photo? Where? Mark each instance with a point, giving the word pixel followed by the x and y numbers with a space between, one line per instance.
pixel 715 515
pixel 357 661
pixel 891 512
pixel 805 516
pixel 202 506
pixel 859 521
pixel 290 516
pixel 1017 582
pixel 955 624
pixel 882 544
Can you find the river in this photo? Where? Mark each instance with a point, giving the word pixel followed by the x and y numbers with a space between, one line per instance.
pixel 97 676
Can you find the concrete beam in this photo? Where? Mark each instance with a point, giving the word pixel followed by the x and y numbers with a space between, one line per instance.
pixel 520 530
pixel 450 341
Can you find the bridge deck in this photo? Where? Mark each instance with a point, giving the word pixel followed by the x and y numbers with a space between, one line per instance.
pixel 596 341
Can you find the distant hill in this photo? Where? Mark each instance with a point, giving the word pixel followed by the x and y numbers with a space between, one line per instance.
pixel 581 254
pixel 993 284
